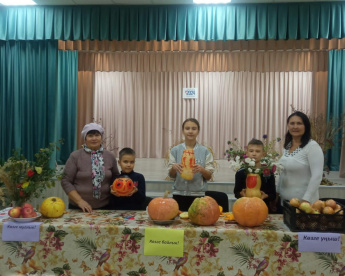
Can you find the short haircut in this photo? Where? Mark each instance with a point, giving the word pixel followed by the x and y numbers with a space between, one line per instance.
pixel 126 151
pixel 256 142
pixel 191 120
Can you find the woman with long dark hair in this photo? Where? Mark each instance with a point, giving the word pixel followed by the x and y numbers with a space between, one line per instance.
pixel 302 160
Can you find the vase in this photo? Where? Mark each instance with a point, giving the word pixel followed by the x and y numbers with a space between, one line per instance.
pixel 253 185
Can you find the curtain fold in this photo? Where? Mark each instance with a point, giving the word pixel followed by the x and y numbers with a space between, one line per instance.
pixel 335 108
pixel 250 101
pixel 85 102
pixel 276 61
pixel 175 22
pixel 66 103
pixel 27 96
pixel 145 110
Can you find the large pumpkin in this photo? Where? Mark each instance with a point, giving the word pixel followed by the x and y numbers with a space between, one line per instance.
pixel 163 208
pixel 250 211
pixel 123 186
pixel 204 211
pixel 52 207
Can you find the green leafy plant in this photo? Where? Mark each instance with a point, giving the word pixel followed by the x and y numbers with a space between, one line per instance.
pixel 22 179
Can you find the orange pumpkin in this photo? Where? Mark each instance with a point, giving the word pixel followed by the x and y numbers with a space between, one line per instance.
pixel 163 208
pixel 204 211
pixel 250 211
pixel 123 186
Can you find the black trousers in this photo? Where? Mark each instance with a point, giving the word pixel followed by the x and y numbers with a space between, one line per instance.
pixel 184 202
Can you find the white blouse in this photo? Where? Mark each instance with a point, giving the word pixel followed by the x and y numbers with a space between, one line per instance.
pixel 302 173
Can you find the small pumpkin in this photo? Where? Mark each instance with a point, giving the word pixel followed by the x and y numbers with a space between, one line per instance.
pixel 52 207
pixel 250 211
pixel 204 211
pixel 123 186
pixel 163 208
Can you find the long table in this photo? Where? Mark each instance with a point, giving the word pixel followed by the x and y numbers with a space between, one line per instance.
pixel 112 243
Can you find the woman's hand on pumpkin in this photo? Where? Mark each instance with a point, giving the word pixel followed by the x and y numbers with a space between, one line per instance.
pixel 86 207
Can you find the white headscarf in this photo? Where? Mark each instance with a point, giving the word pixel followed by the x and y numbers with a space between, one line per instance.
pixel 91 126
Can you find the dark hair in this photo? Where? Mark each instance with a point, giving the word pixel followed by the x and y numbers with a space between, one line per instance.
pixel 191 120
pixel 307 133
pixel 256 142
pixel 93 131
pixel 126 151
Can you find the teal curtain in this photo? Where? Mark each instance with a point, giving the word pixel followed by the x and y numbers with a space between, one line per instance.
pixel 66 103
pixel 27 96
pixel 175 22
pixel 335 102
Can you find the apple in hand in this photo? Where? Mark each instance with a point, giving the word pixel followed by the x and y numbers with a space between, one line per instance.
pixel 27 213
pixel 15 212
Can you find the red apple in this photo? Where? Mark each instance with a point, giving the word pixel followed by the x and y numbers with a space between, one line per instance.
pixel 319 205
pixel 27 205
pixel 331 203
pixel 337 208
pixel 306 207
pixel 15 212
pixel 27 212
pixel 328 210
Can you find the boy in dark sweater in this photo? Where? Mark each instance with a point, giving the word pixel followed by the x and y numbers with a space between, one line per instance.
pixel 136 199
pixel 255 150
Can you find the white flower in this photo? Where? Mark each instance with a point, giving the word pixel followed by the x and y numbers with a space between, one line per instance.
pixel 235 165
pixel 247 160
pixel 237 158
pixel 250 170
pixel 257 170
pixel 252 163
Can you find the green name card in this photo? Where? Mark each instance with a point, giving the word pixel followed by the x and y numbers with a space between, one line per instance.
pixel 163 242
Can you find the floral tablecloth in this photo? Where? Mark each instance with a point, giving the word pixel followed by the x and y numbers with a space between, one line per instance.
pixel 112 243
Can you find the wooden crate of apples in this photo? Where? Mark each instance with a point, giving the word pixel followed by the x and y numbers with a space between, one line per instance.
pixel 320 216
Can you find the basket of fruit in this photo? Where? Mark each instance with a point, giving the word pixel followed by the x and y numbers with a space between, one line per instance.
pixel 321 216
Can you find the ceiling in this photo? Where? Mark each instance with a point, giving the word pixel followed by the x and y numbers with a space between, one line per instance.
pixel 151 2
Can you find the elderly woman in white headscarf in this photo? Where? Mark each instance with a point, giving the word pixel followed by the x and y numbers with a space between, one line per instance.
pixel 89 172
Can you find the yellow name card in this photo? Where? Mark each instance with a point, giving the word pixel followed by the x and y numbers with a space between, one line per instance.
pixel 163 242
